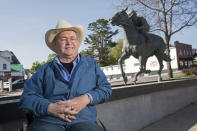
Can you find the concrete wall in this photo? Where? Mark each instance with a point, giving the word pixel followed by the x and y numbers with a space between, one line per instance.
pixel 129 109
pixel 133 108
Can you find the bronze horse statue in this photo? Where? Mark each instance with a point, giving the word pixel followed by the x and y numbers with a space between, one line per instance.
pixel 136 45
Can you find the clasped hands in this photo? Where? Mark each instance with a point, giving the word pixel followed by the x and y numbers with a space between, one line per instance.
pixel 67 110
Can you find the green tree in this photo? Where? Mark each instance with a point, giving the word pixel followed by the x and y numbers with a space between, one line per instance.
pixel 51 57
pixel 88 53
pixel 36 65
pixel 99 41
pixel 115 53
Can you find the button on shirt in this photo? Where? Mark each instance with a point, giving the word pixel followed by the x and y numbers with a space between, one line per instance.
pixel 66 75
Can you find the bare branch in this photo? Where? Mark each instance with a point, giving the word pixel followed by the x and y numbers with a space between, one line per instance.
pixel 157 30
pixel 185 25
pixel 158 16
pixel 163 5
pixel 149 6
pixel 171 15
pixel 171 6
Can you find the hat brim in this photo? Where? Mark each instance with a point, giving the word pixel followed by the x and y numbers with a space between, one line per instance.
pixel 51 34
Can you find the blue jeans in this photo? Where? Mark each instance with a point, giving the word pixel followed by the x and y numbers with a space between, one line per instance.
pixel 45 126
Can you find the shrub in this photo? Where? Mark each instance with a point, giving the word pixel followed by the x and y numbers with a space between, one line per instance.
pixel 190 71
pixel 194 71
pixel 186 71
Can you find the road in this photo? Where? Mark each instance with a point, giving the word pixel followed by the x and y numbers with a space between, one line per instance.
pixel 183 120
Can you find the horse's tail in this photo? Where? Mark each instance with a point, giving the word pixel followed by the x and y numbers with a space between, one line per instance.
pixel 167 58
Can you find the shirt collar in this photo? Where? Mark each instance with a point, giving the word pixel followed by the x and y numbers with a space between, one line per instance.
pixel 75 62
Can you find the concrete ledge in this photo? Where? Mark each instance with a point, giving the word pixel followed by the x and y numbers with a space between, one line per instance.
pixel 130 108
pixel 136 90
pixel 135 107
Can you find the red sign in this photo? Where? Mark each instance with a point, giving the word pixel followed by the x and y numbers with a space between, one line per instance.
pixel 7 74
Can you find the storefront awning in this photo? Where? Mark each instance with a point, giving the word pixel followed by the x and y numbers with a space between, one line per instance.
pixel 17 67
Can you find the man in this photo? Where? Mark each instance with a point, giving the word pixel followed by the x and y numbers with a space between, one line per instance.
pixel 140 23
pixel 63 93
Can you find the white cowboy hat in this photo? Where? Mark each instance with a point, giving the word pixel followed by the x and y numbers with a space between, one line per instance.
pixel 62 25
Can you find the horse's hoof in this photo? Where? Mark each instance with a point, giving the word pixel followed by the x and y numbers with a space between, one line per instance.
pixel 133 83
pixel 148 71
pixel 159 79
pixel 134 80
pixel 125 82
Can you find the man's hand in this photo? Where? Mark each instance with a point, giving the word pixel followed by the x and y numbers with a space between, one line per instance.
pixel 67 110
pixel 59 109
pixel 78 103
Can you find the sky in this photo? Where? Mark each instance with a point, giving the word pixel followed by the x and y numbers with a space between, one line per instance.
pixel 23 24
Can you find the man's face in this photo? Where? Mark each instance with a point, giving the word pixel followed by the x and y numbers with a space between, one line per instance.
pixel 67 44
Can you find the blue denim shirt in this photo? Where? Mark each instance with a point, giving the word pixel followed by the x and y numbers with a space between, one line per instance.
pixel 65 74
pixel 47 86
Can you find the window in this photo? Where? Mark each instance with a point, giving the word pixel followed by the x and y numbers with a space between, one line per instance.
pixel 180 53
pixel 4 66
pixel 181 63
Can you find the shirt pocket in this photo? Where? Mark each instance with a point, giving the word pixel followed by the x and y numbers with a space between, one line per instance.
pixel 60 91
pixel 87 83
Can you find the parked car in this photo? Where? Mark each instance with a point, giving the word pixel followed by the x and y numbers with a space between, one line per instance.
pixel 17 84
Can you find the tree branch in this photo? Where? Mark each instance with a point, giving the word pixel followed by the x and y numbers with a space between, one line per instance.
pixel 185 25
pixel 171 5
pixel 171 15
pixel 157 30
pixel 148 6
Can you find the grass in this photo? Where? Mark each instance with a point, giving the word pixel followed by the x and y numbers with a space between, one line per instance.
pixel 184 76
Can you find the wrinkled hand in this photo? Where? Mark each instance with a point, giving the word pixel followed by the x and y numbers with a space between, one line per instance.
pixel 78 103
pixel 67 110
pixel 59 109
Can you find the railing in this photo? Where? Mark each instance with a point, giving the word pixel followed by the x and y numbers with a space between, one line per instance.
pixel 6 85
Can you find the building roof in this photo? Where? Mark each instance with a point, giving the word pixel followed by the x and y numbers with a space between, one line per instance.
pixel 13 57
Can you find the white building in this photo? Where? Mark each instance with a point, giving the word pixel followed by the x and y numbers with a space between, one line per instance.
pixel 10 69
pixel 4 65
pixel 7 55
pixel 132 65
pixel 112 70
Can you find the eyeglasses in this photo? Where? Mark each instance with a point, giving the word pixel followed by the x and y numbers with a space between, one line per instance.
pixel 65 39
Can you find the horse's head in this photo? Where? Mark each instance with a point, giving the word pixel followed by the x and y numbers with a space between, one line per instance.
pixel 119 18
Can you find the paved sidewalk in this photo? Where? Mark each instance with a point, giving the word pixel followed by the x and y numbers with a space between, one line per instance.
pixel 10 94
pixel 182 120
pixel 142 79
